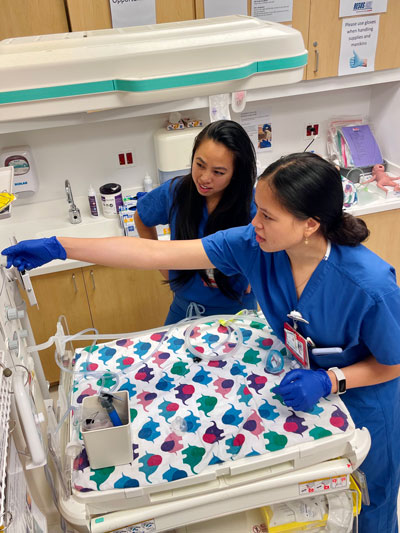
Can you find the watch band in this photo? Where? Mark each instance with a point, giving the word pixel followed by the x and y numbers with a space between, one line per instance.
pixel 341 379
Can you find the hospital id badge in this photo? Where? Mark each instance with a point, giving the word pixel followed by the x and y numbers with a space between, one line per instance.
pixel 297 345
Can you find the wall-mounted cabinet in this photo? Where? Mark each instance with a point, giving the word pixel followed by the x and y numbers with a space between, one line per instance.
pixel 19 18
pixel 324 38
pixel 108 299
pixel 96 14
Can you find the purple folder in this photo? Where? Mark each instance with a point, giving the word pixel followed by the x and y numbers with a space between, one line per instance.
pixel 362 145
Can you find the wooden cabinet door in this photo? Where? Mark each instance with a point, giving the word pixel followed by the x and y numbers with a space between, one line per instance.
pixel 383 239
pixel 388 48
pixel 96 14
pixel 19 18
pixel 175 10
pixel 87 15
pixel 124 300
pixel 61 293
pixel 325 33
pixel 325 29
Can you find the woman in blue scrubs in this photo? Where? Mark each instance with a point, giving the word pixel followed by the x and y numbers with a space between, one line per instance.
pixel 300 253
pixel 217 194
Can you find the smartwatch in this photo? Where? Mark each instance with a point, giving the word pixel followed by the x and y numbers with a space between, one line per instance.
pixel 341 379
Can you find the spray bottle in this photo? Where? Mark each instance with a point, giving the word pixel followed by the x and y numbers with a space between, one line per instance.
pixel 93 205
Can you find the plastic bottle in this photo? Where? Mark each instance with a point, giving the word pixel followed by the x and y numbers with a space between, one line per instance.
pixel 93 205
pixel 147 183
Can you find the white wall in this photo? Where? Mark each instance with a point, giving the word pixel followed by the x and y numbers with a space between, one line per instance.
pixel 87 153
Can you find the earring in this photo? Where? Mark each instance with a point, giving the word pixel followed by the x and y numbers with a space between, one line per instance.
pixel 306 240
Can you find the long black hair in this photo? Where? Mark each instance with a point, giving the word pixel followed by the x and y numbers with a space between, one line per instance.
pixel 234 207
pixel 308 186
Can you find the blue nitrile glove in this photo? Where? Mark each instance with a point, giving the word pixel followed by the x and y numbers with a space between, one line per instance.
pixel 34 253
pixel 355 61
pixel 301 389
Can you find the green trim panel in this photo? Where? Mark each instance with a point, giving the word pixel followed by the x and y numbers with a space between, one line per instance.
pixel 155 84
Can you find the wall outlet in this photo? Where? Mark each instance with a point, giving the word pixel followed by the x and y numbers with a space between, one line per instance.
pixel 312 131
pixel 126 159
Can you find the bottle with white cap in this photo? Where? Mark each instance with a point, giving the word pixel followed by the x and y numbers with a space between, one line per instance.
pixel 93 205
pixel 147 183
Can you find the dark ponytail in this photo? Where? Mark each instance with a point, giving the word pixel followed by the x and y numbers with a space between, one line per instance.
pixel 349 231
pixel 308 186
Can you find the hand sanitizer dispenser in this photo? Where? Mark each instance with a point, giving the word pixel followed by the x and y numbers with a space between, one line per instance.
pixel 174 151
pixel 25 178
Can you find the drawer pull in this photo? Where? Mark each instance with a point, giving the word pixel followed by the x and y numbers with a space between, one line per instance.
pixel 92 276
pixel 74 282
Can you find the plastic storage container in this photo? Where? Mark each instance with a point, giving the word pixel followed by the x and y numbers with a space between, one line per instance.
pixel 111 199
pixel 108 446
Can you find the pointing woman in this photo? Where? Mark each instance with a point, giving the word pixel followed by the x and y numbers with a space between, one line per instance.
pixel 300 253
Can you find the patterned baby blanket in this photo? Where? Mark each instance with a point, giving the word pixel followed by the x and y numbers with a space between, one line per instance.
pixel 187 414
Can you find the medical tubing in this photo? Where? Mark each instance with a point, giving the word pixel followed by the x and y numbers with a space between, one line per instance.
pixel 208 356
pixel 92 373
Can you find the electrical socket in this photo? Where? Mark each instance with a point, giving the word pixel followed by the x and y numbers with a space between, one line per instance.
pixel 126 159
pixel 312 131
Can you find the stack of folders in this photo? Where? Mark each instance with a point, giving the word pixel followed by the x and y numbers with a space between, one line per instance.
pixel 357 146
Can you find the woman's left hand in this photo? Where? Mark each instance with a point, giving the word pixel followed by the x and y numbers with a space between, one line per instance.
pixel 301 389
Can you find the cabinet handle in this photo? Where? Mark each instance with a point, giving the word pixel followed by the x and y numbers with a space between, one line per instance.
pixel 315 44
pixel 92 276
pixel 74 282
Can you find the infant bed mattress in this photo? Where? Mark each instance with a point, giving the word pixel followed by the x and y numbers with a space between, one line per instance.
pixel 234 423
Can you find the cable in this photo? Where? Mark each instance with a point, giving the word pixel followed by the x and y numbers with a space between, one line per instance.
pixel 309 144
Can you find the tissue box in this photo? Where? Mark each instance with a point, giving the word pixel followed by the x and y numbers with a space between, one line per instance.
pixel 110 446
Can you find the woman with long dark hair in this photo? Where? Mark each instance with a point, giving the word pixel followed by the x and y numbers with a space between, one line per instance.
pixel 217 194
pixel 300 253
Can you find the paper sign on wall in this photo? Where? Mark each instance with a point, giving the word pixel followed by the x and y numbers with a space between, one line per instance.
pixel 219 8
pixel 259 128
pixel 273 10
pixel 348 8
pixel 358 45
pixel 126 13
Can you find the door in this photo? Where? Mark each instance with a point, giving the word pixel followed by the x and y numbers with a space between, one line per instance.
pixel 382 240
pixel 325 31
pixel 60 293
pixel 19 18
pixel 96 14
pixel 124 300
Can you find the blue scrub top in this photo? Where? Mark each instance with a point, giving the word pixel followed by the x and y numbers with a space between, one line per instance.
pixel 154 208
pixel 351 301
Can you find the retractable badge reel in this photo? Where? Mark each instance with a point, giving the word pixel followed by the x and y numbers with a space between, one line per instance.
pixel 294 341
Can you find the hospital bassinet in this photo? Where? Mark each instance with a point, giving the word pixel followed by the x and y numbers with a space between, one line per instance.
pixel 209 436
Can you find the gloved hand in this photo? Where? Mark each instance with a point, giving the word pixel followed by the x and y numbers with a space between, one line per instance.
pixel 301 389
pixel 33 253
pixel 355 61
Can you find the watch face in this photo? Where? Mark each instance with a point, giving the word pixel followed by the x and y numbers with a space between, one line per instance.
pixel 341 386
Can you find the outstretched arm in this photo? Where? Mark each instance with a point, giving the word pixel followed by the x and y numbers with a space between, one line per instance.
pixel 123 252
pixel 132 252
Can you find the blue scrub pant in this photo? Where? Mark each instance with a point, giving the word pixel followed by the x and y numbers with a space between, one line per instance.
pixel 375 407
pixel 180 309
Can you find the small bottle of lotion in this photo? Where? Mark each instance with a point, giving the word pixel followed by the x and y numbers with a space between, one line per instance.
pixel 93 205
pixel 147 183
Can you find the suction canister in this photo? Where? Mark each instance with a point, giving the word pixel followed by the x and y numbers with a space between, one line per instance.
pixel 111 199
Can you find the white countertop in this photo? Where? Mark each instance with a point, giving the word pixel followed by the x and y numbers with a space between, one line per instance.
pixel 45 219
